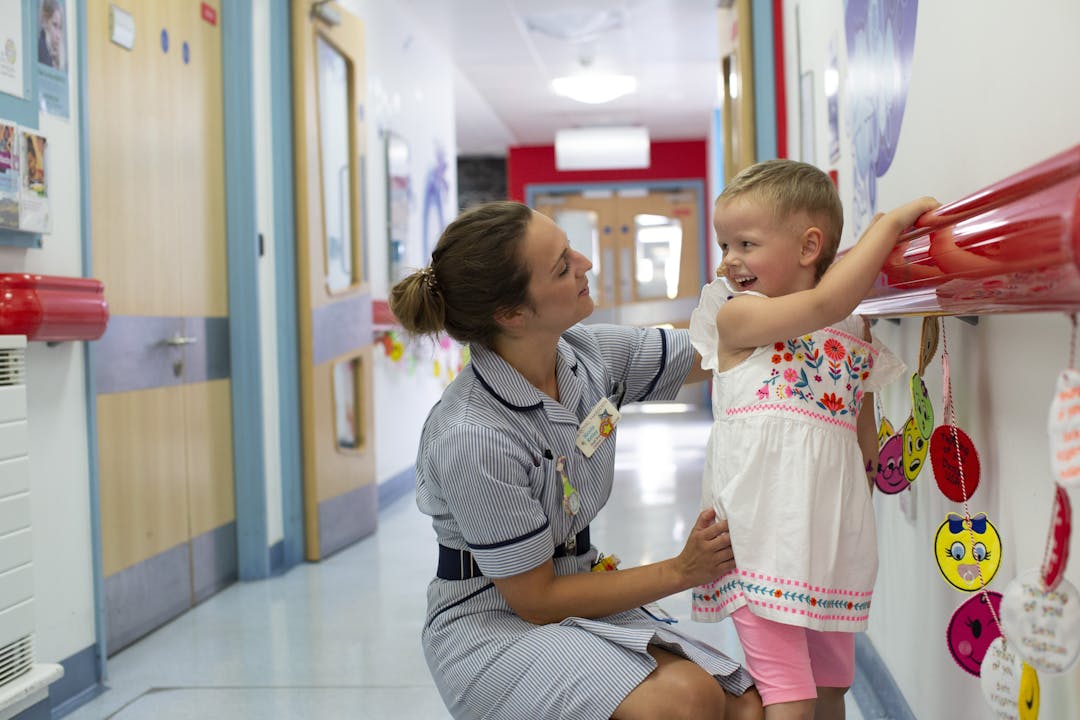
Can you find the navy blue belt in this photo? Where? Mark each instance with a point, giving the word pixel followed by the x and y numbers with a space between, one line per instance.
pixel 460 565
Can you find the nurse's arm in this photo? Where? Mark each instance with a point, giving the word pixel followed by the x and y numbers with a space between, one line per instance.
pixel 542 597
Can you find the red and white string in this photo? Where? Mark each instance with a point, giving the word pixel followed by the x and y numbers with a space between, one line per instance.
pixel 950 418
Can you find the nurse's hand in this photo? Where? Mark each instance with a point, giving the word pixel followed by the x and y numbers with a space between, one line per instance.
pixel 708 553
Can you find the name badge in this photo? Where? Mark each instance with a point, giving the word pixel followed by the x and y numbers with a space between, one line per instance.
pixel 597 426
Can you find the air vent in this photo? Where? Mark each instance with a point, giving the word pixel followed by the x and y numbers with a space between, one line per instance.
pixel 12 366
pixel 16 659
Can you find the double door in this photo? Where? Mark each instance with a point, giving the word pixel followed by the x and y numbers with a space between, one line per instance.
pixel 157 191
pixel 646 247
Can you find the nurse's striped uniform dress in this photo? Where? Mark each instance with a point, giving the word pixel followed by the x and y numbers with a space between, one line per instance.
pixel 486 474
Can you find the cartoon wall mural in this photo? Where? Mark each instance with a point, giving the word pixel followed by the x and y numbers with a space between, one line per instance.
pixel 880 43
pixel 436 189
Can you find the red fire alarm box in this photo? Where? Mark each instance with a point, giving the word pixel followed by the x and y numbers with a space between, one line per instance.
pixel 52 308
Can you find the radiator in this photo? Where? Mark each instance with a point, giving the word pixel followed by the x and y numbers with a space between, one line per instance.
pixel 22 683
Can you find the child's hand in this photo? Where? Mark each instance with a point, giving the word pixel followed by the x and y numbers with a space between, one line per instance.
pixel 905 216
pixel 708 553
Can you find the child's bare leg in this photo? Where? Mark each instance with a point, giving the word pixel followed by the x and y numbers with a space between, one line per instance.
pixel 830 703
pixel 797 710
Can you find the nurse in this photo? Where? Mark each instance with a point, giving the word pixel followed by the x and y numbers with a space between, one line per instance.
pixel 515 461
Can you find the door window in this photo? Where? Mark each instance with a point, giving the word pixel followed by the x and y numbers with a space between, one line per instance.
pixel 334 153
pixel 657 256
pixel 581 230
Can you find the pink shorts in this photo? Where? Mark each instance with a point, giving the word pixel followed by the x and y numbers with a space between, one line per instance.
pixel 788 662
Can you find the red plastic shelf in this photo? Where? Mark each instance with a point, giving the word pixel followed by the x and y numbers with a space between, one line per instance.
pixel 52 308
pixel 1011 247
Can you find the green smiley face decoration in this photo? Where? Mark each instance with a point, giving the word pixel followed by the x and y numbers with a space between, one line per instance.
pixel 921 408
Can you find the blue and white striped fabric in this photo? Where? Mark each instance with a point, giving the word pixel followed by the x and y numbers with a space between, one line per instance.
pixel 486 475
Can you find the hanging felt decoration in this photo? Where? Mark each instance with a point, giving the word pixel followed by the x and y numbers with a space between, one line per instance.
pixel 955 462
pixel 1009 685
pixel 922 410
pixel 1064 428
pixel 1043 626
pixel 890 478
pixel 1064 421
pixel 914 450
pixel 1056 555
pixel 972 628
pixel 968 551
pixel 928 343
pixel 885 431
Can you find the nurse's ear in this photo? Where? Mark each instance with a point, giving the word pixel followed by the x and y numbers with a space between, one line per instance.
pixel 510 320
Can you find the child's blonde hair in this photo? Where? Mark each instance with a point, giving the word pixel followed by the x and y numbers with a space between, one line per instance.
pixel 789 187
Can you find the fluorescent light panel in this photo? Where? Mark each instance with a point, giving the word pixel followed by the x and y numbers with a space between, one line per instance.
pixel 602 148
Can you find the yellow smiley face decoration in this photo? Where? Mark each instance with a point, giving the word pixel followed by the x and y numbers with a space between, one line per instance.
pixel 914 450
pixel 967 549
pixel 1029 693
pixel 885 431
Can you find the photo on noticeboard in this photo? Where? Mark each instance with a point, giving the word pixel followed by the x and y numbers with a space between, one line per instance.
pixel 9 177
pixel 34 188
pixel 52 57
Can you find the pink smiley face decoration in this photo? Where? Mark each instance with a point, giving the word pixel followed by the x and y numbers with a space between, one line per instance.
pixel 890 477
pixel 948 456
pixel 972 629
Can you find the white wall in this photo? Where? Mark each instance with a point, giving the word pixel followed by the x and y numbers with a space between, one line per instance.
pixel 410 84
pixel 992 91
pixel 56 395
pixel 264 198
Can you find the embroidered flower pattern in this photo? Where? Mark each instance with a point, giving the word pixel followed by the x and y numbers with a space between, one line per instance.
pixel 828 377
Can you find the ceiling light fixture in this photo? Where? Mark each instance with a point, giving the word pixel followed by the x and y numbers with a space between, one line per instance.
pixel 602 148
pixel 594 89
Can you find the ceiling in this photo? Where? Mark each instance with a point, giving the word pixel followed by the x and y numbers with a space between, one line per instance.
pixel 505 65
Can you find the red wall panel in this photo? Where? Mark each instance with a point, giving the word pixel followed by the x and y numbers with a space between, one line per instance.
pixel 670 160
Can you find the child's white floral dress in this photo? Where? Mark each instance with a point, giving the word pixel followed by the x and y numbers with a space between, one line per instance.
pixel 783 465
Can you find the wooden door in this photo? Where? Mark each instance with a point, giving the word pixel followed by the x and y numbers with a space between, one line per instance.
pixel 158 243
pixel 646 247
pixel 333 296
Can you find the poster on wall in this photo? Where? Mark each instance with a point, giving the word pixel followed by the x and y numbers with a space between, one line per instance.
pixel 880 47
pixel 399 201
pixel 52 65
pixel 11 48
pixel 34 186
pixel 9 177
pixel 436 189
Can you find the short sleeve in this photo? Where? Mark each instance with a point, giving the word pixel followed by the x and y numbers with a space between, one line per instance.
pixel 887 366
pixel 485 480
pixel 703 335
pixel 652 363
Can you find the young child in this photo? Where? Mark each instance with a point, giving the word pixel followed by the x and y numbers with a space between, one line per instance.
pixel 793 433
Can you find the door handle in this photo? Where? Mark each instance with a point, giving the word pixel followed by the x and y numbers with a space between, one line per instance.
pixel 177 340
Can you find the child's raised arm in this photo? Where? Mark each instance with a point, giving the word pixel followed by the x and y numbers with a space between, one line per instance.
pixel 749 321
